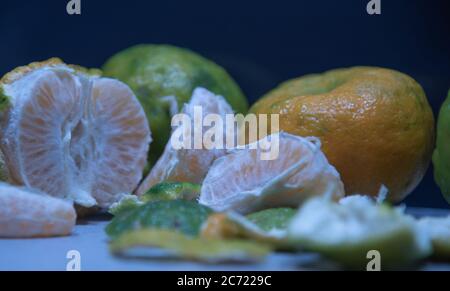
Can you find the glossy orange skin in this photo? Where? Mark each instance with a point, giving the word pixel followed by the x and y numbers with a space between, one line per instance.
pixel 375 124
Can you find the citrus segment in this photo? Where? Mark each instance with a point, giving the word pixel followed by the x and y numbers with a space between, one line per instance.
pixel 441 155
pixel 189 164
pixel 24 214
pixel 171 191
pixel 243 181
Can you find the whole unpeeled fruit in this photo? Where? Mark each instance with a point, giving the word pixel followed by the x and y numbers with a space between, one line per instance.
pixel 375 124
pixel 441 156
pixel 157 71
pixel 266 226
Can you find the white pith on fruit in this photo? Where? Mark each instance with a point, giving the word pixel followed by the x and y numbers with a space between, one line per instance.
pixel 189 164
pixel 25 213
pixel 346 229
pixel 73 135
pixel 244 182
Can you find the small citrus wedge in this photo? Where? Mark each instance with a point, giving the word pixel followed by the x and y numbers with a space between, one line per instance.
pixel 189 164
pixel 244 182
pixel 25 214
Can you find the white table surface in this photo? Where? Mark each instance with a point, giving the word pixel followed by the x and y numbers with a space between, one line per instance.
pixel 90 240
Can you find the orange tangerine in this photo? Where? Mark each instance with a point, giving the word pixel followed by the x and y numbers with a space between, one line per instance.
pixel 375 124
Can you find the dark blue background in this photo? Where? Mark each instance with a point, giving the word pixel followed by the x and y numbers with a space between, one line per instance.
pixel 260 42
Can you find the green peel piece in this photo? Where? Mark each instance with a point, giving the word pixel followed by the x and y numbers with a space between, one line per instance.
pixel 267 226
pixel 346 231
pixel 438 229
pixel 160 192
pixel 275 218
pixel 156 71
pixel 178 215
pixel 171 191
pixel 441 155
pixel 126 203
pixel 152 243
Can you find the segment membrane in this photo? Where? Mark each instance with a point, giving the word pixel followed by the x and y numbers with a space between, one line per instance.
pixel 82 138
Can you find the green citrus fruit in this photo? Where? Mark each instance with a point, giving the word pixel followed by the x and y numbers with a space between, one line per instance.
pixel 441 156
pixel 157 71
